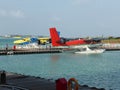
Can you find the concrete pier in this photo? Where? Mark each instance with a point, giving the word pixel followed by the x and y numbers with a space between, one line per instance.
pixel 28 51
pixel 21 82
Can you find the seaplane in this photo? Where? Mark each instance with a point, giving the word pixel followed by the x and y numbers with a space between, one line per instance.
pixel 72 44
pixel 31 42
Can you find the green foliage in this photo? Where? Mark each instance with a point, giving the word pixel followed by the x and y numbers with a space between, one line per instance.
pixel 111 40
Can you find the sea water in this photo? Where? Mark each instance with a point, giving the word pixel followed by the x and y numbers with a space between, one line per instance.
pixel 98 70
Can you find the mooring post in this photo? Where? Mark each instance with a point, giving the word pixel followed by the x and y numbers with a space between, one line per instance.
pixel 3 77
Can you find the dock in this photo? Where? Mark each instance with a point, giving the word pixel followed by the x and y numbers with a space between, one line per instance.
pixel 28 51
pixel 111 46
pixel 16 81
pixel 21 82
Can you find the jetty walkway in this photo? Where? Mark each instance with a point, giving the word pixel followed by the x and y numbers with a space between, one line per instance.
pixel 111 46
pixel 10 51
pixel 28 51
pixel 21 82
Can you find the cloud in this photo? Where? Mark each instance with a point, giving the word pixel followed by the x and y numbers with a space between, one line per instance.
pixel 17 13
pixel 12 13
pixel 3 12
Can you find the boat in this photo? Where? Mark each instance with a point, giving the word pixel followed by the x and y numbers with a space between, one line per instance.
pixel 89 50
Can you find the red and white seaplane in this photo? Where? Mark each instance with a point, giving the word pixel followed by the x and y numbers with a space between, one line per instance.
pixel 76 44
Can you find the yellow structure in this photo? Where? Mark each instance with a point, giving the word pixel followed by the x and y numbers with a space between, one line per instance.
pixel 44 40
pixel 21 41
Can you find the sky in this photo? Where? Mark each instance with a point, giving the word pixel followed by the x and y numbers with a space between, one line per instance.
pixel 73 18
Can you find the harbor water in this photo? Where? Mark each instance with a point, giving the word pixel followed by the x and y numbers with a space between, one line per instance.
pixel 97 70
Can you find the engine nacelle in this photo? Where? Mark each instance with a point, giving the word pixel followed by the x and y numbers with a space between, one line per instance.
pixel 62 40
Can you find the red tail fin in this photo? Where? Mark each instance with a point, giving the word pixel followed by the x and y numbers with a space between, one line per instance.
pixel 54 37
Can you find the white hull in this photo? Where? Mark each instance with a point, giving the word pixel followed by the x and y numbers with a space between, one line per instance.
pixel 90 51
pixel 87 45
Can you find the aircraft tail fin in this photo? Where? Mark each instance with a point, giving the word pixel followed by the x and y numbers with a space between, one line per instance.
pixel 55 39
